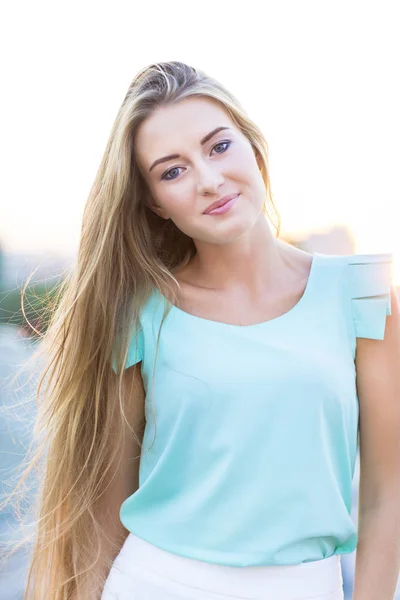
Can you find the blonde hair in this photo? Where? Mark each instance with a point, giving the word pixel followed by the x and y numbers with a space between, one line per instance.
pixel 125 251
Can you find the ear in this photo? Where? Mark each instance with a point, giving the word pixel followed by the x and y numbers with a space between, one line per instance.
pixel 152 205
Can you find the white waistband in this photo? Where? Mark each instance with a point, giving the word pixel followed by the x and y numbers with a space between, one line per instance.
pixel 304 580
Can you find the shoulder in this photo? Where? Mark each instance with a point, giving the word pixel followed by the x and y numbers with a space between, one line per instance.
pixel 149 317
pixel 377 263
pixel 369 283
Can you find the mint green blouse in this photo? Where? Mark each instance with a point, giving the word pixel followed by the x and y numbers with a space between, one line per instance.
pixel 250 457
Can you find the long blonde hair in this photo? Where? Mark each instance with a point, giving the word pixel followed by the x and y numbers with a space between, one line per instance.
pixel 125 251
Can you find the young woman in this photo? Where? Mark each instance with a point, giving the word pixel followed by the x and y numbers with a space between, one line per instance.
pixel 202 408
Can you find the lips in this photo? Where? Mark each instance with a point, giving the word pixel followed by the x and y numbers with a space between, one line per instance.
pixel 219 203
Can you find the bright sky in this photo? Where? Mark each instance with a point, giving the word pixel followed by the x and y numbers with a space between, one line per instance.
pixel 320 78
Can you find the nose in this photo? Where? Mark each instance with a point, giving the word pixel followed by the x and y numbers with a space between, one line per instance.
pixel 209 179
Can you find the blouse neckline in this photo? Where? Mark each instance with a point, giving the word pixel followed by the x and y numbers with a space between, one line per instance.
pixel 311 282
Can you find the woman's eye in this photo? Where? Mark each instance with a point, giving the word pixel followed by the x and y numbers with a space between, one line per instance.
pixel 222 144
pixel 165 175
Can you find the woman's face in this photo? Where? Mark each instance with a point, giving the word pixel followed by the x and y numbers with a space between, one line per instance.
pixel 182 187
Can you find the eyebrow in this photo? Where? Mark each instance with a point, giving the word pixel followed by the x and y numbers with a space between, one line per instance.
pixel 202 142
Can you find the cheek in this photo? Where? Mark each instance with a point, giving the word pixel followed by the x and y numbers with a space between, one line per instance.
pixel 178 202
pixel 244 164
pixel 178 198
pixel 248 177
pixel 169 198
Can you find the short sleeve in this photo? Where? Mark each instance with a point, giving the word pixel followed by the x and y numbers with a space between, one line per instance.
pixel 370 278
pixel 135 350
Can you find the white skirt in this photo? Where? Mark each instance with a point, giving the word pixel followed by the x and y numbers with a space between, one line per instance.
pixel 142 571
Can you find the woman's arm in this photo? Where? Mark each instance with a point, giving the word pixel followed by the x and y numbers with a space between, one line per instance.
pixel 378 385
pixel 124 483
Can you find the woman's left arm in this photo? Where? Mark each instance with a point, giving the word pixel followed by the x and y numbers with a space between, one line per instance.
pixel 378 387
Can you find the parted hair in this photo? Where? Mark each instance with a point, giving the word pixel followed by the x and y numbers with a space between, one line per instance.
pixel 125 251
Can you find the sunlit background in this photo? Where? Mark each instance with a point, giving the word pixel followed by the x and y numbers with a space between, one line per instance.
pixel 320 78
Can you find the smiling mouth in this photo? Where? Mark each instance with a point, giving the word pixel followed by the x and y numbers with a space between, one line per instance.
pixel 209 211
pixel 223 208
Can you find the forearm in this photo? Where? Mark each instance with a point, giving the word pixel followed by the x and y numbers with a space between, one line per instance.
pixel 92 586
pixel 378 553
pixel 113 535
